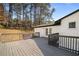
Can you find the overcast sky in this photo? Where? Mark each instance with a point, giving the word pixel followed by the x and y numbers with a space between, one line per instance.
pixel 62 9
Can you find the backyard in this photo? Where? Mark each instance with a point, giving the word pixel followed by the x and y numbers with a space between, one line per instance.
pixel 18 23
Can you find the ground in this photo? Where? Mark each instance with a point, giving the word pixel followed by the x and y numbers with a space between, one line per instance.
pixel 31 47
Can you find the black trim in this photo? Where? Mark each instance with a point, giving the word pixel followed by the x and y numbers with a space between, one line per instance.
pixel 43 26
pixel 58 22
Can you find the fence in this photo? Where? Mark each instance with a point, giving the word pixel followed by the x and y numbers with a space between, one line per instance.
pixel 70 43
pixel 7 37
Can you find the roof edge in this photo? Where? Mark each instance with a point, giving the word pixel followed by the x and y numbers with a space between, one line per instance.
pixel 58 22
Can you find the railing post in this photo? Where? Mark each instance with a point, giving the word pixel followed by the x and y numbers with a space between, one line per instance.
pixel 70 43
pixel 59 42
pixel 73 44
pixel 64 42
pixel 76 45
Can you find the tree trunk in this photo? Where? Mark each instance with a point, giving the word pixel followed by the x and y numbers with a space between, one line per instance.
pixel 35 15
pixel 10 14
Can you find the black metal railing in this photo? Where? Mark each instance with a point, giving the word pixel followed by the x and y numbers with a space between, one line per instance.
pixel 53 39
pixel 70 43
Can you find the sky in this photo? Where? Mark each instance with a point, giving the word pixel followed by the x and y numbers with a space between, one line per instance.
pixel 62 9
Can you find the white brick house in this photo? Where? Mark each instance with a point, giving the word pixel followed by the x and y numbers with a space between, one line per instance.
pixel 61 26
pixel 67 26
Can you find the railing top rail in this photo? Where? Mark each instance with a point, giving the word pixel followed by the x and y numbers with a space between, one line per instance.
pixel 68 36
pixel 54 34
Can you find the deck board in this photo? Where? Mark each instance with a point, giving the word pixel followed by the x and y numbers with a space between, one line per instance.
pixel 20 48
pixel 31 47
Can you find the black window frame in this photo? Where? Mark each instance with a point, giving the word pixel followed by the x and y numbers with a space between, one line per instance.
pixel 72 25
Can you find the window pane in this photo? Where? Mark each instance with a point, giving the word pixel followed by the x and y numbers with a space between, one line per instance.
pixel 72 25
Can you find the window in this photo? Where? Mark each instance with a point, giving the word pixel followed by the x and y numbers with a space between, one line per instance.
pixel 46 31
pixel 50 30
pixel 72 25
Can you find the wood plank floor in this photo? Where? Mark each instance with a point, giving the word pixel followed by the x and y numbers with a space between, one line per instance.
pixel 20 48
pixel 32 47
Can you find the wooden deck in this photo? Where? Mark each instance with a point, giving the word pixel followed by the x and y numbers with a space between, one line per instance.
pixel 20 48
pixel 32 47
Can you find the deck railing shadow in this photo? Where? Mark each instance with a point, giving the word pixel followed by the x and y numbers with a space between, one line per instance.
pixel 41 44
pixel 49 50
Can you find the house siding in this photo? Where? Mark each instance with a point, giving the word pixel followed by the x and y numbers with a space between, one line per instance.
pixel 66 31
pixel 64 28
pixel 42 30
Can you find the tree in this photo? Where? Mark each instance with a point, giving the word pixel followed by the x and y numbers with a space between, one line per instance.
pixel 35 13
pixel 10 15
pixel 17 10
pixel 42 12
